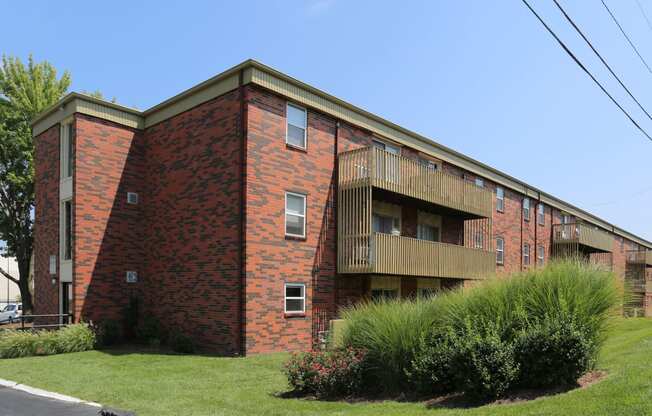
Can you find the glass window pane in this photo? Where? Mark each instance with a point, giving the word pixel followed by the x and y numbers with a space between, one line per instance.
pixel 293 224
pixel 296 136
pixel 294 305
pixel 295 204
pixel 296 116
pixel 294 291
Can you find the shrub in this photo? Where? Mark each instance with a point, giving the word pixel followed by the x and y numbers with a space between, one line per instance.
pixel 151 331
pixel 74 338
pixel 108 333
pixel 483 366
pixel 431 370
pixel 327 374
pixel 389 331
pixel 181 343
pixel 554 352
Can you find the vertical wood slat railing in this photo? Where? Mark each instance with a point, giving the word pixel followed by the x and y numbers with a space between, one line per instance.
pixel 390 254
pixel 395 173
pixel 583 234
pixel 639 257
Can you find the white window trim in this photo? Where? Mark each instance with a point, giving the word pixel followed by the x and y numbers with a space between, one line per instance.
pixel 541 214
pixel 500 198
pixel 541 255
pixel 526 254
pixel 62 231
pixel 286 298
pixel 500 250
pixel 526 211
pixel 64 158
pixel 285 219
pixel 305 125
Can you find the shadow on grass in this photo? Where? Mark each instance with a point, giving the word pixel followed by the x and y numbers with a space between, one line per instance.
pixel 144 349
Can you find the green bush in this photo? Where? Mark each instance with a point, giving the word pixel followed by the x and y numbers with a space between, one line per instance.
pixel 181 343
pixel 483 365
pixel 389 331
pixel 554 352
pixel 326 374
pixel 476 340
pixel 108 333
pixel 74 338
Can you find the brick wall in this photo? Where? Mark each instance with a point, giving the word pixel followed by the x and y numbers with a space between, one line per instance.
pixel 191 211
pixel 108 232
pixel 46 219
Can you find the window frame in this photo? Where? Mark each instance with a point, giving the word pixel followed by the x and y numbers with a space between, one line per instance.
pixel 541 213
pixel 541 255
pixel 305 213
pixel 526 210
pixel 302 297
pixel 500 250
pixel 479 182
pixel 305 126
pixel 67 218
pixel 66 149
pixel 526 254
pixel 500 207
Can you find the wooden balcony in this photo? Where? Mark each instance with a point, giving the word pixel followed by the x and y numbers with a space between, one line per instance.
pixel 389 254
pixel 376 168
pixel 584 237
pixel 639 257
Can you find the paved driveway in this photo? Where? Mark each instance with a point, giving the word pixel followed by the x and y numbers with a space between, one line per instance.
pixel 18 403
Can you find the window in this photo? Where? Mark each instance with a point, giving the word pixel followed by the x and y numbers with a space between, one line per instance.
pixel 295 214
pixel 295 298
pixel 67 230
pixel 500 250
pixel 526 209
pixel 427 232
pixel 500 199
pixel 296 126
pixel 381 294
pixel 132 198
pixel 429 164
pixel 526 254
pixel 479 182
pixel 541 253
pixel 53 264
pixel 478 239
pixel 67 136
pixel 386 224
pixel 541 214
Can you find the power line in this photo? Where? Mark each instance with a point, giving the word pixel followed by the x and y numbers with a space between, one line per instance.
pixel 626 37
pixel 577 61
pixel 577 29
pixel 640 7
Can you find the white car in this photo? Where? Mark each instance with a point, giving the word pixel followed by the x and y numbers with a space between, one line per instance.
pixel 11 313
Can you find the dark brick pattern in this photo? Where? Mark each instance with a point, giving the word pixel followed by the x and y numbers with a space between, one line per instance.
pixel 46 220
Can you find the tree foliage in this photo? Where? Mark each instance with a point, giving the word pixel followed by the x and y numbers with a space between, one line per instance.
pixel 25 91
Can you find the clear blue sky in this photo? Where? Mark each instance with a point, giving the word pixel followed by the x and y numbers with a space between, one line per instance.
pixel 481 77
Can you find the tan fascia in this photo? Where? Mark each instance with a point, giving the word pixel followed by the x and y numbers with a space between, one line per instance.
pixel 253 72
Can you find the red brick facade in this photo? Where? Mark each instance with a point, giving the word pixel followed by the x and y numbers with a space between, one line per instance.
pixel 211 183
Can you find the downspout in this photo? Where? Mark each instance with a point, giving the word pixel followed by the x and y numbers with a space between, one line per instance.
pixel 536 229
pixel 335 207
pixel 522 224
pixel 243 214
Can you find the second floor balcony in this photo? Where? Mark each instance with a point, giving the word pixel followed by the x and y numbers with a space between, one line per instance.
pixel 377 168
pixel 583 237
pixel 639 257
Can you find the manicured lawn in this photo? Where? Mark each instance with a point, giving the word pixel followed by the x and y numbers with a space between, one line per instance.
pixel 158 384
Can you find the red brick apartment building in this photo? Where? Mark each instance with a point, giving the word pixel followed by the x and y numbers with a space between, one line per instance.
pixel 248 209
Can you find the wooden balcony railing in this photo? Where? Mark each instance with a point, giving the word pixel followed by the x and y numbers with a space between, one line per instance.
pixel 590 238
pixel 640 257
pixel 375 167
pixel 390 254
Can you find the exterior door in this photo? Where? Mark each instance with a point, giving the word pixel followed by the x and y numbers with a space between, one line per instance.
pixel 66 302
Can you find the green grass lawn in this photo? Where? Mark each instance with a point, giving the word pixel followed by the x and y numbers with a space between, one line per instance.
pixel 158 384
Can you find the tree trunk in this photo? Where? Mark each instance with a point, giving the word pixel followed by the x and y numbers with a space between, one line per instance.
pixel 23 284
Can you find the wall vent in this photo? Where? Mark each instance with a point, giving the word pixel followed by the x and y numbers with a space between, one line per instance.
pixel 132 277
pixel 132 198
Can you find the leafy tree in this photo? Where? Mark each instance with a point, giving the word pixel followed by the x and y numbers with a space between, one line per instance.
pixel 25 91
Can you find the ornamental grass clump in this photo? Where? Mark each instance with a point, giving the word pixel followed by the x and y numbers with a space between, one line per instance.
pixel 74 338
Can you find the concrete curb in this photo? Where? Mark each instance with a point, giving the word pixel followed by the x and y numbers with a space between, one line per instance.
pixel 44 393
